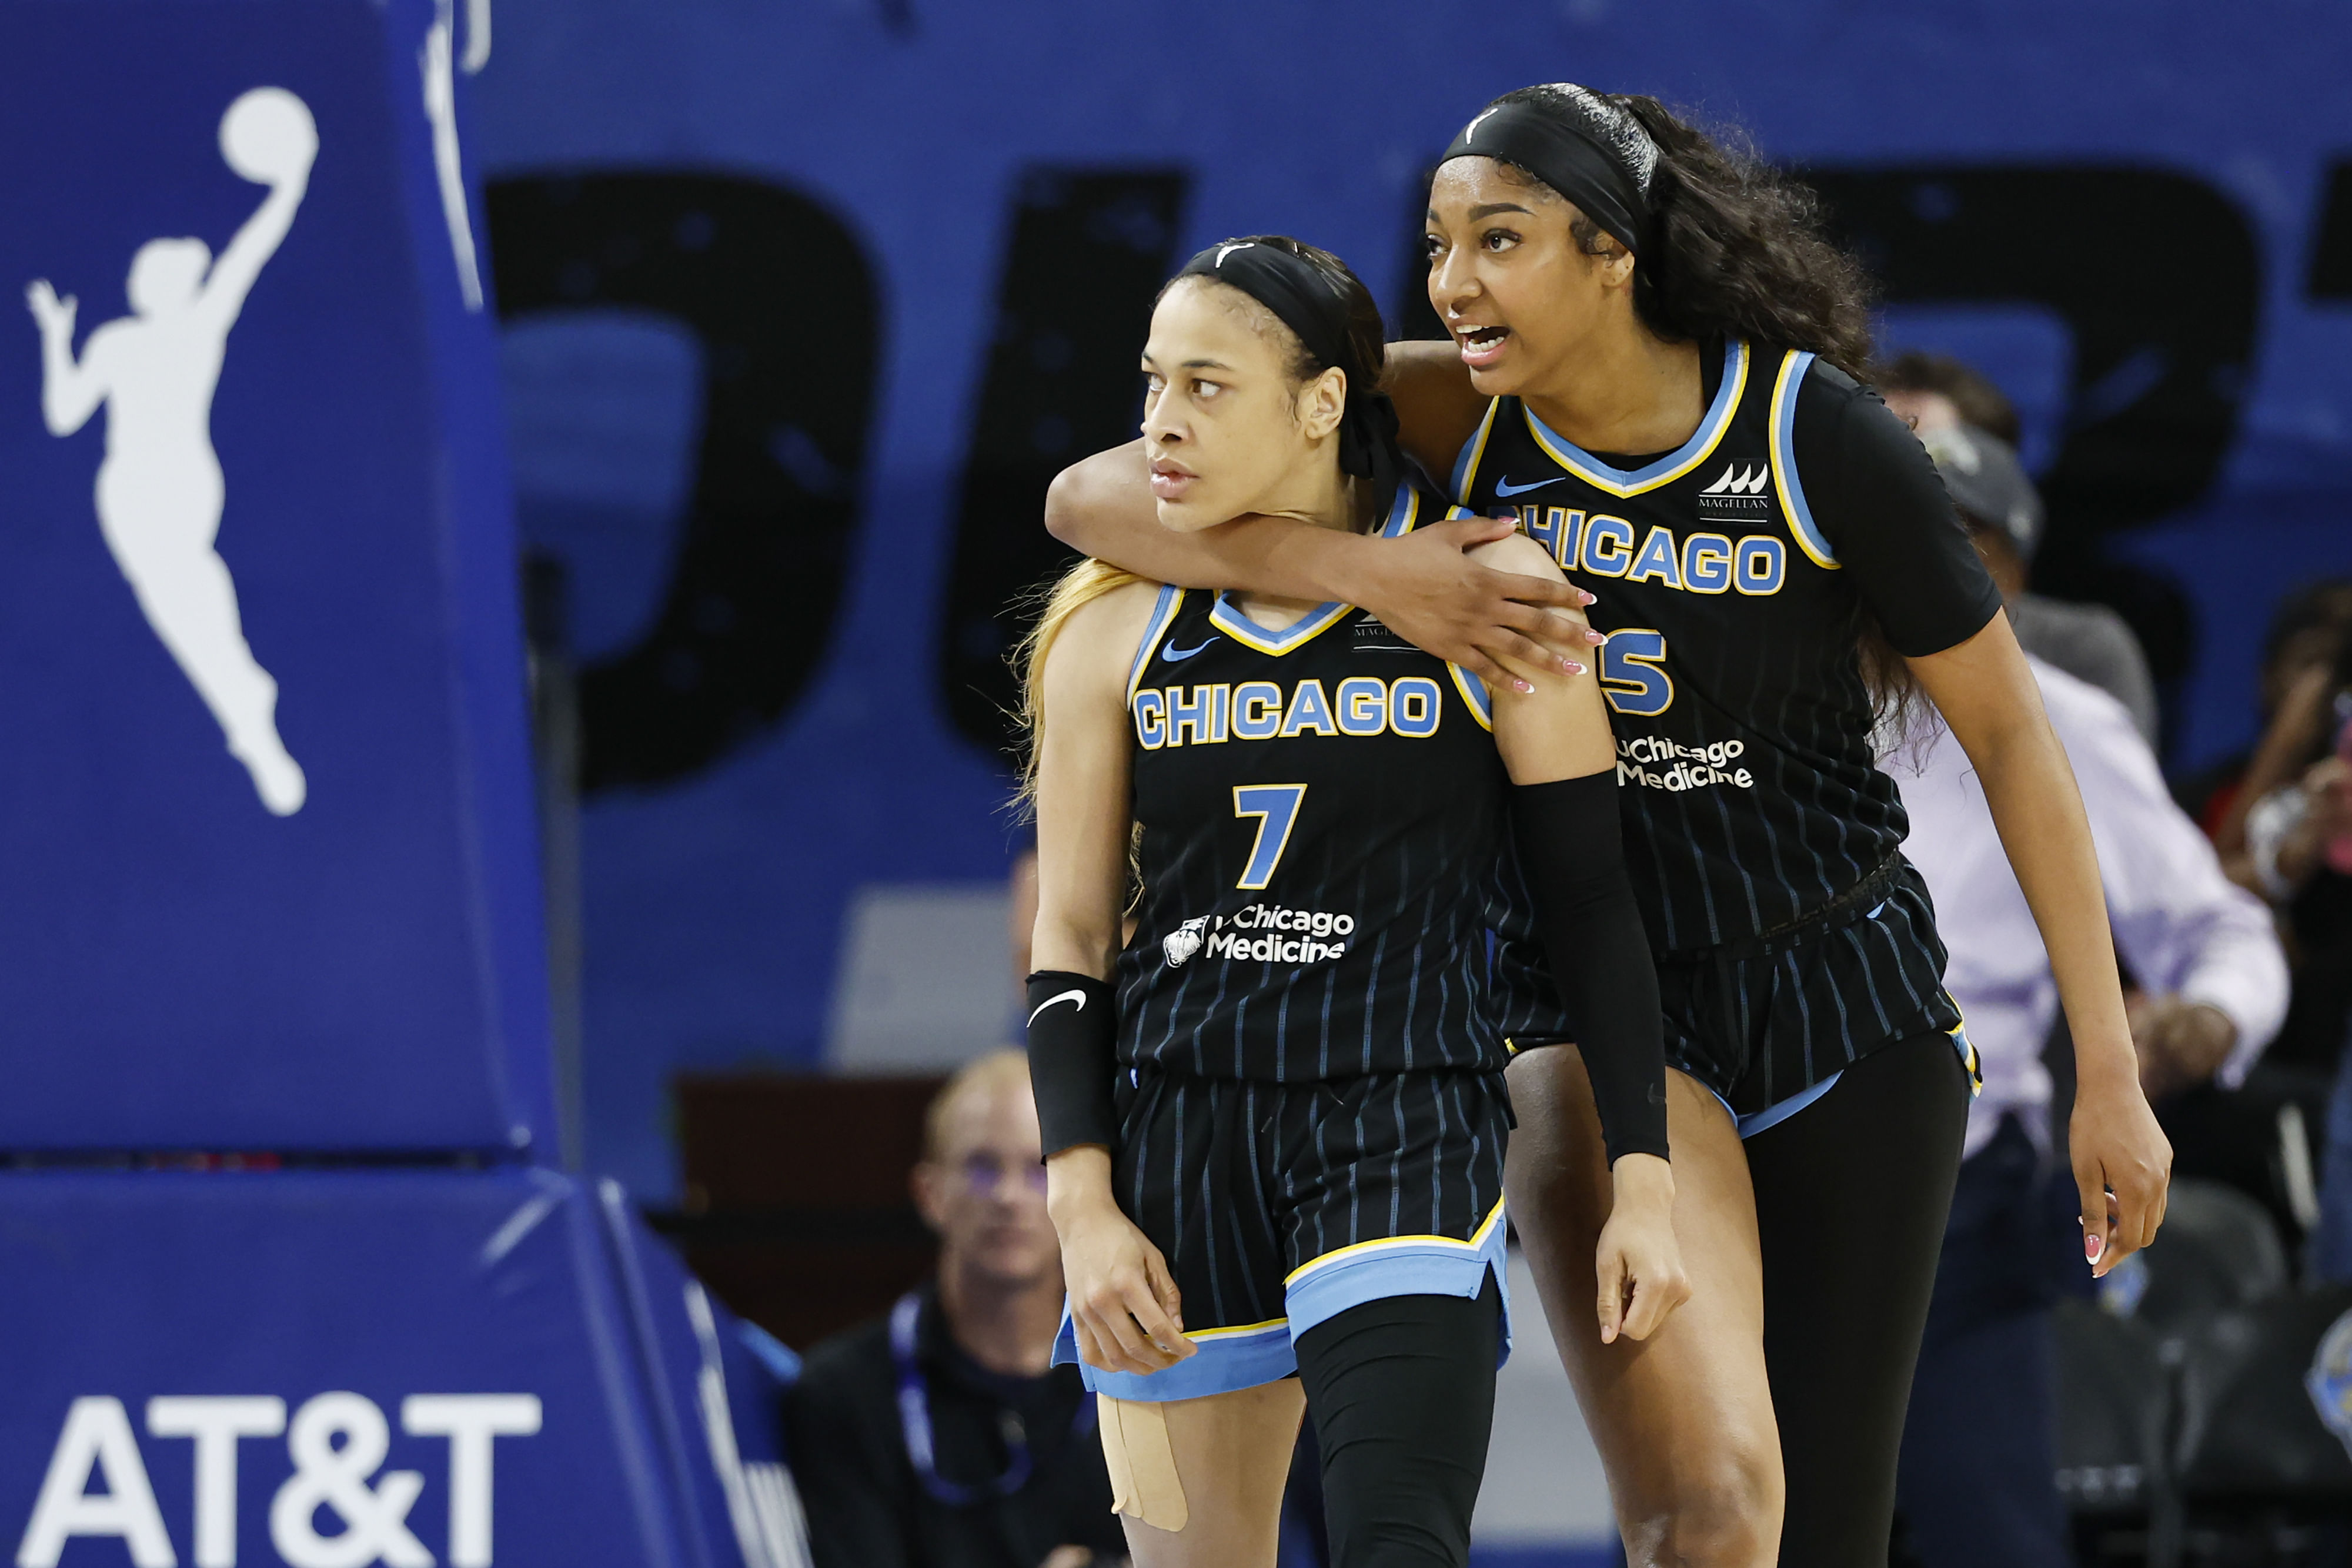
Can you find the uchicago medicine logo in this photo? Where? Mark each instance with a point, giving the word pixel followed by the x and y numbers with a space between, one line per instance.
pixel 1261 933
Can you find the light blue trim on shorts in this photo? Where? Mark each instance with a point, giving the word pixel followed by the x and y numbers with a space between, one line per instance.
pixel 1319 1291
pixel 1779 1111
pixel 1315 1292
pixel 1228 1359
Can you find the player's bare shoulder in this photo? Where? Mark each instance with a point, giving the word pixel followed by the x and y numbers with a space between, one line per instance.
pixel 1518 553
pixel 1097 645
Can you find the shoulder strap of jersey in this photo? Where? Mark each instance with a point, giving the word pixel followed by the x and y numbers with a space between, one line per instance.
pixel 1786 483
pixel 1412 509
pixel 1163 616
pixel 1474 451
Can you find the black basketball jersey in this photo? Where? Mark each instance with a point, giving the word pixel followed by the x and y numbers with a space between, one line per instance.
pixel 1322 825
pixel 1742 719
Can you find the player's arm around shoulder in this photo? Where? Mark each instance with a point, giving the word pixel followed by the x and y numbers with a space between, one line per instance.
pixel 1558 726
pixel 1438 410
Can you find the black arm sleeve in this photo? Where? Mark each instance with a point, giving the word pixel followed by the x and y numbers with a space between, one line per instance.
pixel 1574 858
pixel 1875 492
pixel 1073 1026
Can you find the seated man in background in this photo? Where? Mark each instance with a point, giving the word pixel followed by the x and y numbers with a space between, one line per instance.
pixel 2090 642
pixel 1976 1484
pixel 940 1437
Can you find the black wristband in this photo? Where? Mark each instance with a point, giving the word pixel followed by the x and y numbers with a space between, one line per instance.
pixel 1574 858
pixel 1072 1025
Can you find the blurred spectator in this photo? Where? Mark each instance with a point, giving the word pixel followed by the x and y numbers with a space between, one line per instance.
pixel 940 1437
pixel 2285 828
pixel 1978 1450
pixel 2257 1138
pixel 2305 633
pixel 1967 393
pixel 2285 825
pixel 1971 431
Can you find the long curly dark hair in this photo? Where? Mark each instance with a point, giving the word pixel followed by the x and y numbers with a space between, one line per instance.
pixel 1739 250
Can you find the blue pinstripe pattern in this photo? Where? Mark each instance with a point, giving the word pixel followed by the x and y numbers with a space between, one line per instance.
pixel 1277 1206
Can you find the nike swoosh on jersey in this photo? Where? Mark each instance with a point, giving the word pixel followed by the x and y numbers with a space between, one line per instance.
pixel 1503 487
pixel 1070 996
pixel 1178 656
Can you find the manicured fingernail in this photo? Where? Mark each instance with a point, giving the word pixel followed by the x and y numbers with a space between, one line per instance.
pixel 1571 667
pixel 1522 687
pixel 2093 1245
pixel 1596 637
pixel 1589 598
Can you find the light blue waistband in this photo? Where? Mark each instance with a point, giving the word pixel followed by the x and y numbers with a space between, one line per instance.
pixel 1779 1111
pixel 1244 1358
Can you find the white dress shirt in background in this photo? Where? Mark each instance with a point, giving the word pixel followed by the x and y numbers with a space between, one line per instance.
pixel 2181 925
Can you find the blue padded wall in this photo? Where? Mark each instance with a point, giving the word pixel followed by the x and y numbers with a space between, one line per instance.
pixel 316 928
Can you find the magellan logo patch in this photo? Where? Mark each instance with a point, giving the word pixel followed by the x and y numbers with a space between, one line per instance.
pixel 1740 491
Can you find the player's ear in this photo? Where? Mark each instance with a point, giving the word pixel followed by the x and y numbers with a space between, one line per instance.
pixel 1322 400
pixel 1614 262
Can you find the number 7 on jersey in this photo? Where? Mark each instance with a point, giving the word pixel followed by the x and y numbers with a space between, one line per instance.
pixel 1276 807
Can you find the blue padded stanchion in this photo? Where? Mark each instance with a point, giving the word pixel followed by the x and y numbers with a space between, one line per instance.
pixel 202 1365
pixel 719 1385
pixel 267 865
pixel 268 876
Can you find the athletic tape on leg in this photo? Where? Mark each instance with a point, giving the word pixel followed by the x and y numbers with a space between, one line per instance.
pixel 1143 1480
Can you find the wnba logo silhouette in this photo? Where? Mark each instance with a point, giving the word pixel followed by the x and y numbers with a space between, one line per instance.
pixel 159 487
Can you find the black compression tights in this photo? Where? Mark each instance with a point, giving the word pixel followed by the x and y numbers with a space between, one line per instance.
pixel 1851 1194
pixel 1402 1391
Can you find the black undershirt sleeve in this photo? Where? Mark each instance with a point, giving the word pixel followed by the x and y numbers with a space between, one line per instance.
pixel 1572 853
pixel 1875 495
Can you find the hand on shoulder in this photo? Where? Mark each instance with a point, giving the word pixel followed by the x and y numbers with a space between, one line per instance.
pixel 1516 553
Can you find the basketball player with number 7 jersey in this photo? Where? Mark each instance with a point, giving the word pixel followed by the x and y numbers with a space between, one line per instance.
pixel 1273 1121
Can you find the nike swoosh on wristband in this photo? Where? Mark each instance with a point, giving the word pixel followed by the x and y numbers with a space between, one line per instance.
pixel 1503 487
pixel 1178 656
pixel 1070 996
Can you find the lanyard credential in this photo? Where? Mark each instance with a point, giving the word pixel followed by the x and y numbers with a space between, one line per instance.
pixel 915 1421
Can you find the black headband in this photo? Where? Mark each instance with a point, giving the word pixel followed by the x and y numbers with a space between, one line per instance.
pixel 1582 146
pixel 1305 299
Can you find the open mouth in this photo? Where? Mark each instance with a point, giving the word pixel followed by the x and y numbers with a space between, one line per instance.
pixel 1480 345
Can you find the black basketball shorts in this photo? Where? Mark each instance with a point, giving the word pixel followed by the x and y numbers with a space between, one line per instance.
pixel 1279 1206
pixel 1769 1024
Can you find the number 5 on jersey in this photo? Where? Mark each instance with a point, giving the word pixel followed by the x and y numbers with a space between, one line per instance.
pixel 1632 677
pixel 1276 807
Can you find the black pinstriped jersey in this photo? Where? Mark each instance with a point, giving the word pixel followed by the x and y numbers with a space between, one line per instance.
pixel 1742 719
pixel 1323 824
